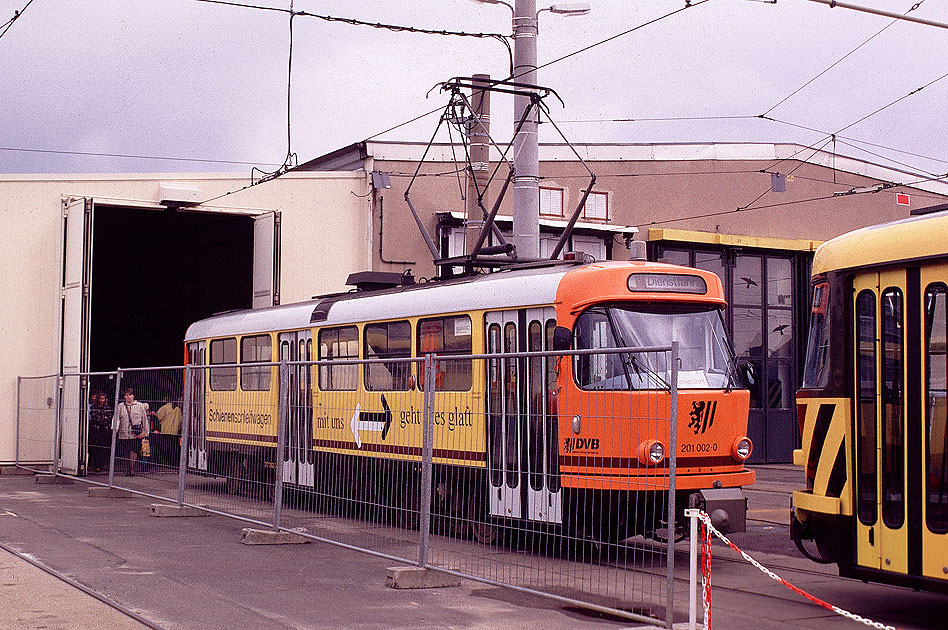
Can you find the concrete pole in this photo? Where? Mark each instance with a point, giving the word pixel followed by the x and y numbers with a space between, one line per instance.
pixel 526 158
pixel 478 131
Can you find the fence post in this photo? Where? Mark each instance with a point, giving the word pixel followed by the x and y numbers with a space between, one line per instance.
pixel 426 463
pixel 115 423
pixel 282 421
pixel 57 424
pixel 19 380
pixel 185 432
pixel 672 475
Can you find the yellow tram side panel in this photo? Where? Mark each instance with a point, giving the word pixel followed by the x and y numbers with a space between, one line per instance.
pixel 838 438
pixel 246 418
pixel 460 433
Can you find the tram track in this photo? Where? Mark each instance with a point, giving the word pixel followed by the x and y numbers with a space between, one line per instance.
pixel 80 586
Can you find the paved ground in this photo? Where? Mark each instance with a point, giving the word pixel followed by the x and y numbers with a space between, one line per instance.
pixel 195 573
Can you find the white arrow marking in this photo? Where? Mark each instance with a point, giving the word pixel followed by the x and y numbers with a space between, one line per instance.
pixel 363 425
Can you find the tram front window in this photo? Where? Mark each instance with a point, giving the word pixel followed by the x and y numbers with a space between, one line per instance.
pixel 705 360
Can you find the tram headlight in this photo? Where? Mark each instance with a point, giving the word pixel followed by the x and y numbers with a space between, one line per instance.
pixel 742 448
pixel 577 424
pixel 651 452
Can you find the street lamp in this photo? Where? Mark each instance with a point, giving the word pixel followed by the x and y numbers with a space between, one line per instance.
pixel 526 181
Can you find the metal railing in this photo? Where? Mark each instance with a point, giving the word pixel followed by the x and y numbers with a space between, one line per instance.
pixel 477 466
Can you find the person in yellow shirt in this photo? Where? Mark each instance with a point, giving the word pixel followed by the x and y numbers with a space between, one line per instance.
pixel 169 444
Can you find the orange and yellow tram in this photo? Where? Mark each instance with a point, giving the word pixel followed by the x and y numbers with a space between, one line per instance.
pixel 579 441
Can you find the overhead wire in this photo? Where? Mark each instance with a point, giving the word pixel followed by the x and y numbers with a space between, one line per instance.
pixel 16 15
pixel 354 21
pixel 129 156
pixel 840 60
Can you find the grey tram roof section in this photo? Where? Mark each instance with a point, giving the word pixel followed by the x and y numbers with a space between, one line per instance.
pixel 515 288
pixel 512 288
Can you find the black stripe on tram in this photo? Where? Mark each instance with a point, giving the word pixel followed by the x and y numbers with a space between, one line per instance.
pixel 820 429
pixel 523 422
pixel 914 418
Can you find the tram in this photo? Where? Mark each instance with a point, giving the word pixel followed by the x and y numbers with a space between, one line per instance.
pixel 872 409
pixel 577 442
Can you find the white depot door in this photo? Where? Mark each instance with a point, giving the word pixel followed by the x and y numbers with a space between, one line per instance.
pixel 74 344
pixel 266 260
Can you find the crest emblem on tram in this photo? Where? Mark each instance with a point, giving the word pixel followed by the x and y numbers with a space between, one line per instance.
pixel 702 415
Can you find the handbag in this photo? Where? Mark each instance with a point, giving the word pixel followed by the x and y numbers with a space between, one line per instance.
pixel 146 448
pixel 136 429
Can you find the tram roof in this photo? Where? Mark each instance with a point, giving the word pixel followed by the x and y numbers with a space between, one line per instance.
pixel 913 238
pixel 516 288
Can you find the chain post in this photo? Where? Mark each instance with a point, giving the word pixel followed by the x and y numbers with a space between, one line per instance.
pixel 282 421
pixel 426 462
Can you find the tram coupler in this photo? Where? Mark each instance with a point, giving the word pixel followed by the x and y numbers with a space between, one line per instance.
pixel 727 508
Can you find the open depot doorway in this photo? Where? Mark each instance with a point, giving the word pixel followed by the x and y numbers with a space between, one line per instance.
pixel 134 279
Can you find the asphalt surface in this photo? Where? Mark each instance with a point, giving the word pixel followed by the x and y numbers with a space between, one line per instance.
pixel 195 573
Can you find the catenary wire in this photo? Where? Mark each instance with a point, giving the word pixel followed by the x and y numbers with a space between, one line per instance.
pixel 16 14
pixel 352 21
pixel 128 156
pixel 838 61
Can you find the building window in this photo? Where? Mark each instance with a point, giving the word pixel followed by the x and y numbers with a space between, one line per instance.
pixel 551 202
pixel 596 206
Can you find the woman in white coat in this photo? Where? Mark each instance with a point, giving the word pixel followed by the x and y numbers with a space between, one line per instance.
pixel 132 417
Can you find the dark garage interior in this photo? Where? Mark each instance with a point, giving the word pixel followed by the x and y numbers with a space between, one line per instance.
pixel 154 272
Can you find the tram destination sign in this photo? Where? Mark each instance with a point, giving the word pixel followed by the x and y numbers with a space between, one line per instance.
pixel 667 283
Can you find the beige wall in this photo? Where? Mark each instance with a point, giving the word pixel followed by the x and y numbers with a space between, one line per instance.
pixel 325 236
pixel 664 193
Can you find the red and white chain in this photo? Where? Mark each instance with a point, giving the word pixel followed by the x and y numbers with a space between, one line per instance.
pixel 706 582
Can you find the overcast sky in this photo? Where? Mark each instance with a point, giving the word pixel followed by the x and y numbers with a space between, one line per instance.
pixel 190 79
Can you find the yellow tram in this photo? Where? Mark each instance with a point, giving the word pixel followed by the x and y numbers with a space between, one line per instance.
pixel 577 443
pixel 872 409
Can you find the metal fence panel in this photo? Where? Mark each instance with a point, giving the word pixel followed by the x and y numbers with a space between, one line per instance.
pixel 519 499
pixel 481 466
pixel 36 420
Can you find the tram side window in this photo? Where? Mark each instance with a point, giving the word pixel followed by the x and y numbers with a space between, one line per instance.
pixel 552 434
pixel 866 406
pixel 255 349
pixel 597 371
pixel 816 371
pixel 338 344
pixel 391 340
pixel 447 336
pixel 495 403
pixel 224 351
pixel 936 336
pixel 893 426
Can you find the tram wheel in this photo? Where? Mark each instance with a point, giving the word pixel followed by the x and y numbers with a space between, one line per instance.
pixel 484 532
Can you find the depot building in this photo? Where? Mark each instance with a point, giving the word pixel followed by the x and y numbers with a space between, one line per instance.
pixel 107 271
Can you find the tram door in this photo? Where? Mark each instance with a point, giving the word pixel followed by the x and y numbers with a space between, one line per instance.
pixel 298 458
pixel 523 471
pixel 197 444
pixel 885 358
